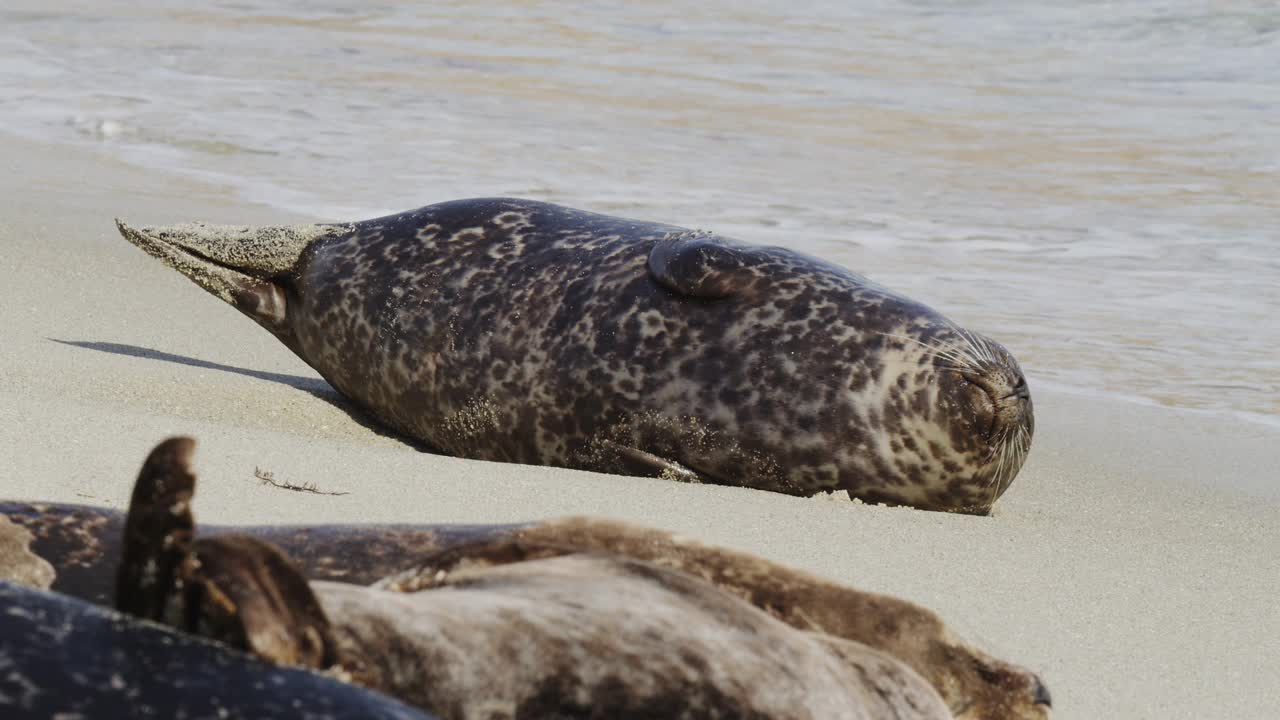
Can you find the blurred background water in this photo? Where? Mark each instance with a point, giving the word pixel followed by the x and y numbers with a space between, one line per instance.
pixel 1095 184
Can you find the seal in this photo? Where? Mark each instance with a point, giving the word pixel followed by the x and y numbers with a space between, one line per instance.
pixel 574 635
pixel 84 544
pixel 519 331
pixel 65 658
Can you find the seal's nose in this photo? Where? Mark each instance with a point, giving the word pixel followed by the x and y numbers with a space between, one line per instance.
pixel 1020 390
pixel 1041 693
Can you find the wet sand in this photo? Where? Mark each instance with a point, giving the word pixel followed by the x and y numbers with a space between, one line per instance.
pixel 1135 563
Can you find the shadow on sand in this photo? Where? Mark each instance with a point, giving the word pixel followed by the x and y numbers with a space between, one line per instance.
pixel 312 386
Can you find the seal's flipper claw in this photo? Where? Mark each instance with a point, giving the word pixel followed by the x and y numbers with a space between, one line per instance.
pixel 248 594
pixel 633 461
pixel 650 464
pixel 700 264
pixel 158 531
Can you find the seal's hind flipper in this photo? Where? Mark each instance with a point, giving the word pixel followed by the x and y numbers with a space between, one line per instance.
pixel 233 588
pixel 701 264
pixel 158 531
pixel 248 594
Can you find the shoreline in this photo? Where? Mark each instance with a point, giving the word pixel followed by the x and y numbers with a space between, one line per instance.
pixel 1134 563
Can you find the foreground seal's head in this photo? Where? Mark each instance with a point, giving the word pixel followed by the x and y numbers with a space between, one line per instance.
pixel 518 331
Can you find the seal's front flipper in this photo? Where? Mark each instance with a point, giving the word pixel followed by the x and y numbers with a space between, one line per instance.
pixel 248 594
pixel 158 531
pixel 701 264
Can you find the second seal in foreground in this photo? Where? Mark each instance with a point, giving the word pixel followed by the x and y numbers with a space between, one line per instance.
pixel 519 331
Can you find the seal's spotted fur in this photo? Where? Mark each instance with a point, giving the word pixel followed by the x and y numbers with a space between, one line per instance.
pixel 521 331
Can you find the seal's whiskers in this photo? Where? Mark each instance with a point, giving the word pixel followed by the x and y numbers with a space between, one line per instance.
pixel 962 361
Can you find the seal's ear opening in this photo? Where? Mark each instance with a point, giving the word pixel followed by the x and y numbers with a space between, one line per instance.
pixel 248 594
pixel 158 531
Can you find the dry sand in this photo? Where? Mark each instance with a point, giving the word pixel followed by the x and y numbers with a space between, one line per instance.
pixel 1133 563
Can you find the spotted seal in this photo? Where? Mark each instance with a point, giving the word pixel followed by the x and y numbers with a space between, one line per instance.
pixel 520 331
pixel 84 544
pixel 571 635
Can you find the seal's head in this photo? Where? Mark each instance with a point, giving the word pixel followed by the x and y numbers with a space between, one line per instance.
pixel 958 416
pixel 911 409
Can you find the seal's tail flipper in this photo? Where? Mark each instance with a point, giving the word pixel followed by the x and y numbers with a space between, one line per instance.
pixel 260 251
pixel 241 264
pixel 158 531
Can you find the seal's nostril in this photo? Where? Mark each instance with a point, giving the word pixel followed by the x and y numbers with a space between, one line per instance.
pixel 1020 391
pixel 1041 693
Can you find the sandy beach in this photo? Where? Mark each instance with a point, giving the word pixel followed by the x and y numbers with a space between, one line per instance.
pixel 1134 564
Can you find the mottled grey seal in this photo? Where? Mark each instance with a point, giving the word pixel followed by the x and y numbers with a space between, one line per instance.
pixel 65 658
pixel 520 331
pixel 84 544
pixel 580 635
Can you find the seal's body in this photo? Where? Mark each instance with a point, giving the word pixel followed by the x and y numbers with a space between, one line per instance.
pixel 520 331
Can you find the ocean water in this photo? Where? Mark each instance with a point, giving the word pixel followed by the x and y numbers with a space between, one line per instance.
pixel 1094 184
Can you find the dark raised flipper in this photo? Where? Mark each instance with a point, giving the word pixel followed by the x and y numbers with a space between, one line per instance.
pixel 234 588
pixel 158 531
pixel 704 265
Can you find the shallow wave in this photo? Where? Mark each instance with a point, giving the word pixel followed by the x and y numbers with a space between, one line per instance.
pixel 1094 185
